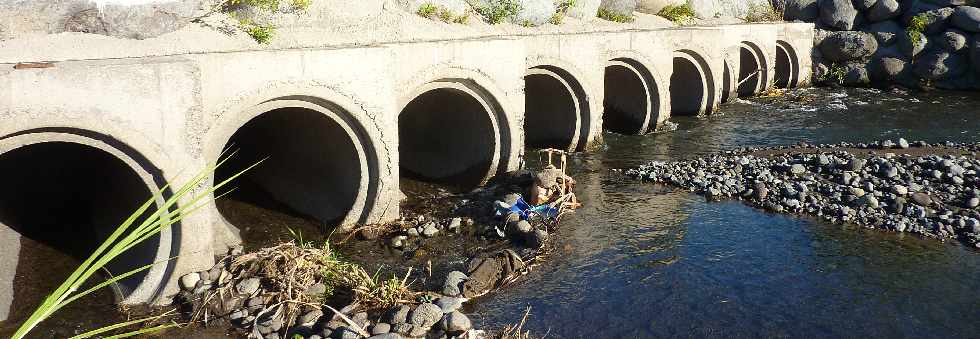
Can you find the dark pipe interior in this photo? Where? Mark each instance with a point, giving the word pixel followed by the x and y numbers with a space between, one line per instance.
pixel 446 136
pixel 70 197
pixel 312 168
pixel 726 82
pixel 625 104
pixel 749 76
pixel 549 121
pixel 686 88
pixel 784 70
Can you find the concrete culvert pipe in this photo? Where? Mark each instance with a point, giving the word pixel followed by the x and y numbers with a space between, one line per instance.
pixel 68 197
pixel 688 88
pixel 750 73
pixel 726 82
pixel 314 167
pixel 553 109
pixel 784 68
pixel 447 135
pixel 630 98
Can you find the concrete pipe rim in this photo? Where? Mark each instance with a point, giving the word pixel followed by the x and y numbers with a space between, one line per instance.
pixel 474 93
pixel 358 208
pixel 761 62
pixel 577 103
pixel 153 282
pixel 630 66
pixel 794 62
pixel 706 80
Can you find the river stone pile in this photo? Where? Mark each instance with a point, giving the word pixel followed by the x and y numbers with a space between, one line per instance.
pixel 244 301
pixel 864 42
pixel 931 195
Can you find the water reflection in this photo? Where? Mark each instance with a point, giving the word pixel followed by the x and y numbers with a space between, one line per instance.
pixel 644 261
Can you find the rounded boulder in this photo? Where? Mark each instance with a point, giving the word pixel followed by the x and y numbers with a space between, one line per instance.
pixel 623 7
pixel 838 14
pixel 856 75
pixel 966 18
pixel 952 41
pixel 939 66
pixel 845 46
pixel 887 68
pixel 886 32
pixel 535 12
pixel 805 10
pixel 425 315
pixel 884 10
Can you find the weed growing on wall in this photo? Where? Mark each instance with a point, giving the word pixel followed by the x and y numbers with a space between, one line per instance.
pixel 433 11
pixel 427 10
pixel 679 14
pixel 763 12
pixel 615 17
pixel 916 29
pixel 498 11
pixel 563 7
pixel 260 32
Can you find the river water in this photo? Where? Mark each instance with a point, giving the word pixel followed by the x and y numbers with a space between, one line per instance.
pixel 642 261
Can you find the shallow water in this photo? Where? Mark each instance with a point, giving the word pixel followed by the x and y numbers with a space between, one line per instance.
pixel 644 261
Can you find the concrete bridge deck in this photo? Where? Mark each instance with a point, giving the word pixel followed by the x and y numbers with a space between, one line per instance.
pixel 81 139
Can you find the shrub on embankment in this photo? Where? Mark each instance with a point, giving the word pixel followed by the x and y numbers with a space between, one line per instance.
pixel 915 43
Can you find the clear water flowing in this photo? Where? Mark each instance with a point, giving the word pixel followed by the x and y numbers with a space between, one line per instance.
pixel 644 261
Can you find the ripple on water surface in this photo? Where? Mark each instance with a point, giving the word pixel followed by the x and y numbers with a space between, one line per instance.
pixel 645 261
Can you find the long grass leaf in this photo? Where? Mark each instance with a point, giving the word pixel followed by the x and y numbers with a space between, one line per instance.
pixel 113 280
pixel 113 246
pixel 105 329
pixel 142 331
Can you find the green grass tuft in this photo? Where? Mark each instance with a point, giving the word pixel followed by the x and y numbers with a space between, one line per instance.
pixel 836 73
pixel 462 19
pixel 557 18
pixel 498 11
pixel 678 14
pixel 301 4
pixel 916 29
pixel 427 10
pixel 615 17
pixel 144 223
pixel 260 33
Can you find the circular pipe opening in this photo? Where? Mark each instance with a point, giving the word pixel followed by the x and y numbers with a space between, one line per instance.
pixel 631 97
pixel 314 168
pixel 66 198
pixel 446 135
pixel 554 110
pixel 784 68
pixel 727 84
pixel 750 72
pixel 688 88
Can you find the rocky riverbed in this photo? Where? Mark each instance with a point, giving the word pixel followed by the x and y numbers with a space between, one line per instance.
pixel 928 189
pixel 448 249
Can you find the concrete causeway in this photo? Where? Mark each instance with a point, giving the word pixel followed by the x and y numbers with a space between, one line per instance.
pixel 340 124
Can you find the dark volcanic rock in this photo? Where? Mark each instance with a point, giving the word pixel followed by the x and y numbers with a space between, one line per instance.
pixel 838 14
pixel 966 18
pixel 805 10
pixel 886 32
pixel 845 46
pixel 939 65
pixel 952 41
pixel 884 10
